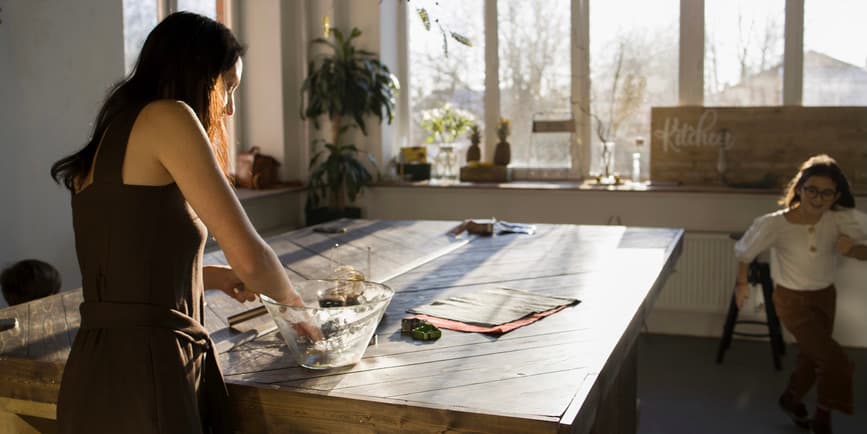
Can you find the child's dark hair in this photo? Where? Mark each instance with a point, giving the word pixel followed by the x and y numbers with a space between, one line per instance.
pixel 819 165
pixel 28 280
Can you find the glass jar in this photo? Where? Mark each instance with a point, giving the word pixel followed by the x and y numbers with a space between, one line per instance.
pixel 447 162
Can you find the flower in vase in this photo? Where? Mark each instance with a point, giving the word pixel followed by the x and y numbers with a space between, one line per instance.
pixel 446 123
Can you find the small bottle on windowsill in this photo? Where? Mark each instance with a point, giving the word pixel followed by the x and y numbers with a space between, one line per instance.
pixel 636 160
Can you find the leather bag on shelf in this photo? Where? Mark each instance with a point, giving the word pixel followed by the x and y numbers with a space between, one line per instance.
pixel 255 170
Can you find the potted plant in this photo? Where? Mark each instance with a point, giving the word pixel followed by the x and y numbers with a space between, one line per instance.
pixel 345 85
pixel 474 153
pixel 503 150
pixel 444 125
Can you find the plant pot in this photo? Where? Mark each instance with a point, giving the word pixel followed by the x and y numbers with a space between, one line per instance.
pixel 502 154
pixel 324 214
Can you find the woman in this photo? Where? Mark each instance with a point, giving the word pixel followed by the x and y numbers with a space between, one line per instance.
pixel 144 189
pixel 805 239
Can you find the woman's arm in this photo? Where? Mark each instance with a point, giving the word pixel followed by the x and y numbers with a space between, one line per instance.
pixel 224 278
pixel 182 147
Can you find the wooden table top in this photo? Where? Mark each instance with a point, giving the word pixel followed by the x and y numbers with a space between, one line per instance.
pixel 538 378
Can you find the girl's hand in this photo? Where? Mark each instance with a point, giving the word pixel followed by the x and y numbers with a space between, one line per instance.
pixel 225 279
pixel 844 245
pixel 742 293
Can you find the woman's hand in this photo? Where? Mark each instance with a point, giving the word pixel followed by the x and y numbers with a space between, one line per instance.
pixel 307 327
pixel 225 279
pixel 844 245
pixel 742 293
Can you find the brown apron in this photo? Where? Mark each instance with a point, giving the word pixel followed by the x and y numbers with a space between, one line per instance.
pixel 141 362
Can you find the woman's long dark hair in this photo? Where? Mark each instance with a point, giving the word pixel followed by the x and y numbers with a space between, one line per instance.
pixel 818 165
pixel 183 59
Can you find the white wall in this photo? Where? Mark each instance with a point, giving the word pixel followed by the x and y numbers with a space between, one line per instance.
pixel 57 60
pixel 262 83
pixel 277 35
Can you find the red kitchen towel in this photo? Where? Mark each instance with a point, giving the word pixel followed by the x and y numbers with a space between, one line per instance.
pixel 496 330
pixel 491 310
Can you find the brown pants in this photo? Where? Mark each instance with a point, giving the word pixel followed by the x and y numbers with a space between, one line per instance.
pixel 809 316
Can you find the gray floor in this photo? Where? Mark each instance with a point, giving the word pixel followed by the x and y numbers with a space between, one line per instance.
pixel 682 389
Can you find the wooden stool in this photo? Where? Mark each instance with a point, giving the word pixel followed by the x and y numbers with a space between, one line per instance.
pixel 759 273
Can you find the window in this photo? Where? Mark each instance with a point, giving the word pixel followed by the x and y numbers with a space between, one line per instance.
pixel 437 79
pixel 207 8
pixel 835 56
pixel 743 59
pixel 534 76
pixel 633 66
pixel 634 53
pixel 139 17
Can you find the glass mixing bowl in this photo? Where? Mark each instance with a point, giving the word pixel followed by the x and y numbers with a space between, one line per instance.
pixel 344 312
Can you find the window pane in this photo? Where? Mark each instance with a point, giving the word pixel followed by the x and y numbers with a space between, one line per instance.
pixel 207 8
pixel 743 60
pixel 633 66
pixel 139 18
pixel 835 55
pixel 437 79
pixel 535 75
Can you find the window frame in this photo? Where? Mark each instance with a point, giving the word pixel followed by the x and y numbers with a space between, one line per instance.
pixel 690 78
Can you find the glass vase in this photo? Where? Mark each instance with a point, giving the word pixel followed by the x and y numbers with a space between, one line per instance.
pixel 606 169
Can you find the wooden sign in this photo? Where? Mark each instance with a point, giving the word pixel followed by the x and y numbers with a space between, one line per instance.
pixel 553 126
pixel 754 147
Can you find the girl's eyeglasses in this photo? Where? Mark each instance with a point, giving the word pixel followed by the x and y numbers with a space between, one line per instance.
pixel 813 192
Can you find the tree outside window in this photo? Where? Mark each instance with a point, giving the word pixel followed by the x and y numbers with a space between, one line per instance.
pixel 743 60
pixel 437 76
pixel 633 66
pixel 535 75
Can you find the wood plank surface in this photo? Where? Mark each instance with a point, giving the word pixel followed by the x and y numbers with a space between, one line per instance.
pixel 49 338
pixel 71 302
pixel 556 375
pixel 13 342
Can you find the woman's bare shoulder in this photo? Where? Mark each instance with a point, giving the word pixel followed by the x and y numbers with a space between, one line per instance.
pixel 170 122
pixel 163 111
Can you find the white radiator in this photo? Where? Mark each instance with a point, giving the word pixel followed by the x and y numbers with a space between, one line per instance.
pixel 704 275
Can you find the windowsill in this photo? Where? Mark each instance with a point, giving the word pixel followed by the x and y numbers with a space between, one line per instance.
pixel 628 186
pixel 246 194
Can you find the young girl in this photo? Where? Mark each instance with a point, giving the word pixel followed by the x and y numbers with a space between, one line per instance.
pixel 805 238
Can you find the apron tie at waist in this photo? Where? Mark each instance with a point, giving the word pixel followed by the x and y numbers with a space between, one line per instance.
pixel 105 315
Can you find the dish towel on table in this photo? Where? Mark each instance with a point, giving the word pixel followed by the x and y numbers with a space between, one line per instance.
pixel 492 310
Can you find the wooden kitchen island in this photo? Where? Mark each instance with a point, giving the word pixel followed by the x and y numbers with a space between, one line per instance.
pixel 574 371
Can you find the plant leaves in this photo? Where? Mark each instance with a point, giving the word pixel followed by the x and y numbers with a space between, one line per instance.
pixel 462 39
pixel 425 18
pixel 349 84
pixel 445 41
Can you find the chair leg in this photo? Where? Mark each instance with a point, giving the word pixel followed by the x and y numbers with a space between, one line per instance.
pixel 728 329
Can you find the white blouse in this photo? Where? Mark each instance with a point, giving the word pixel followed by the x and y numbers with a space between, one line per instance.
pixel 803 257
